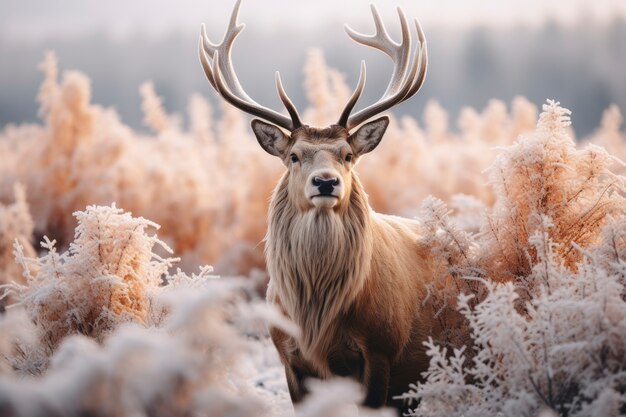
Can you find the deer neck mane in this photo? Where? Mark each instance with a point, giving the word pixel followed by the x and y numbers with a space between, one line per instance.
pixel 318 262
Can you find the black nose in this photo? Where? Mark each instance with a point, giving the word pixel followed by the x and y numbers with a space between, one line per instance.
pixel 325 186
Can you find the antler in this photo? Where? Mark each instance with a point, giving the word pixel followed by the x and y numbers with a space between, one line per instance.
pixel 407 77
pixel 221 75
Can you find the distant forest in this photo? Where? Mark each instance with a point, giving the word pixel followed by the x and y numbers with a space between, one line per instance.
pixel 582 66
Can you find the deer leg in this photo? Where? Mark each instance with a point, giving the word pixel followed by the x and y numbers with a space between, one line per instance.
pixel 296 369
pixel 295 382
pixel 377 372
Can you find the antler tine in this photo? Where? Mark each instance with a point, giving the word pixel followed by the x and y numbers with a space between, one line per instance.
pixel 249 107
pixel 291 109
pixel 407 77
pixel 204 60
pixel 398 52
pixel 343 120
pixel 225 49
pixel 422 60
pixel 221 75
pixel 231 32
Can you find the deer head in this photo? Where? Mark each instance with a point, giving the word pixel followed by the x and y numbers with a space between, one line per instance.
pixel 320 160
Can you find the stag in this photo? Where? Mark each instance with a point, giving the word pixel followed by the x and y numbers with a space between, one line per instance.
pixel 351 278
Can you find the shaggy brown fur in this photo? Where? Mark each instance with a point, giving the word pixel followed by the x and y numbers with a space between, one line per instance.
pixel 352 279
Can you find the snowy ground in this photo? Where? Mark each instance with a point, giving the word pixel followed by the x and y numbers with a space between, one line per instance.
pixel 268 376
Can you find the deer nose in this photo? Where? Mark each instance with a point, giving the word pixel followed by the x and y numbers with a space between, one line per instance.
pixel 325 186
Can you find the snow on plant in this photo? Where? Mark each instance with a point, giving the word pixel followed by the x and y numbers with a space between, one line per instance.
pixel 209 173
pixel 190 364
pixel 105 319
pixel 609 136
pixel 545 175
pixel 95 315
pixel 453 255
pixel 611 251
pixel 337 398
pixel 554 336
pixel 16 223
pixel 114 324
pixel 108 276
pixel 85 155
pixel 451 248
pixel 565 350
pixel 155 116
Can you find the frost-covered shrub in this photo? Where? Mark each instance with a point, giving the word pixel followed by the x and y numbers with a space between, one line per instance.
pixel 15 224
pixel 453 256
pixel 106 277
pixel 553 337
pixel 208 173
pixel 545 175
pixel 96 316
pixel 609 136
pixel 85 155
pixel 173 344
pixel 106 320
pixel 109 275
pixel 337 398
pixel 610 253
pixel 565 351
pixel 192 363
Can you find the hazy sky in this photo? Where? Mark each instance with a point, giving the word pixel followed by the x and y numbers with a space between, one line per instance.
pixel 28 19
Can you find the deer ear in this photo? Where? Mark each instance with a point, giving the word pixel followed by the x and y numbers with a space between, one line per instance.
pixel 369 135
pixel 270 137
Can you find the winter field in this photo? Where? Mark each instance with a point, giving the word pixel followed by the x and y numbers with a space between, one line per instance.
pixel 106 234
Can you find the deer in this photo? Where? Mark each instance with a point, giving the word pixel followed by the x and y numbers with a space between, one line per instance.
pixel 351 278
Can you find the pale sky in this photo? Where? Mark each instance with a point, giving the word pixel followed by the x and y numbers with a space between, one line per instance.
pixel 28 19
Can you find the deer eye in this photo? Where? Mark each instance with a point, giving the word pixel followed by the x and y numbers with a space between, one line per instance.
pixel 349 157
pixel 294 158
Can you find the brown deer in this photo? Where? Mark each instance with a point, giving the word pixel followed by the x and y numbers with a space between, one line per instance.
pixel 352 279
